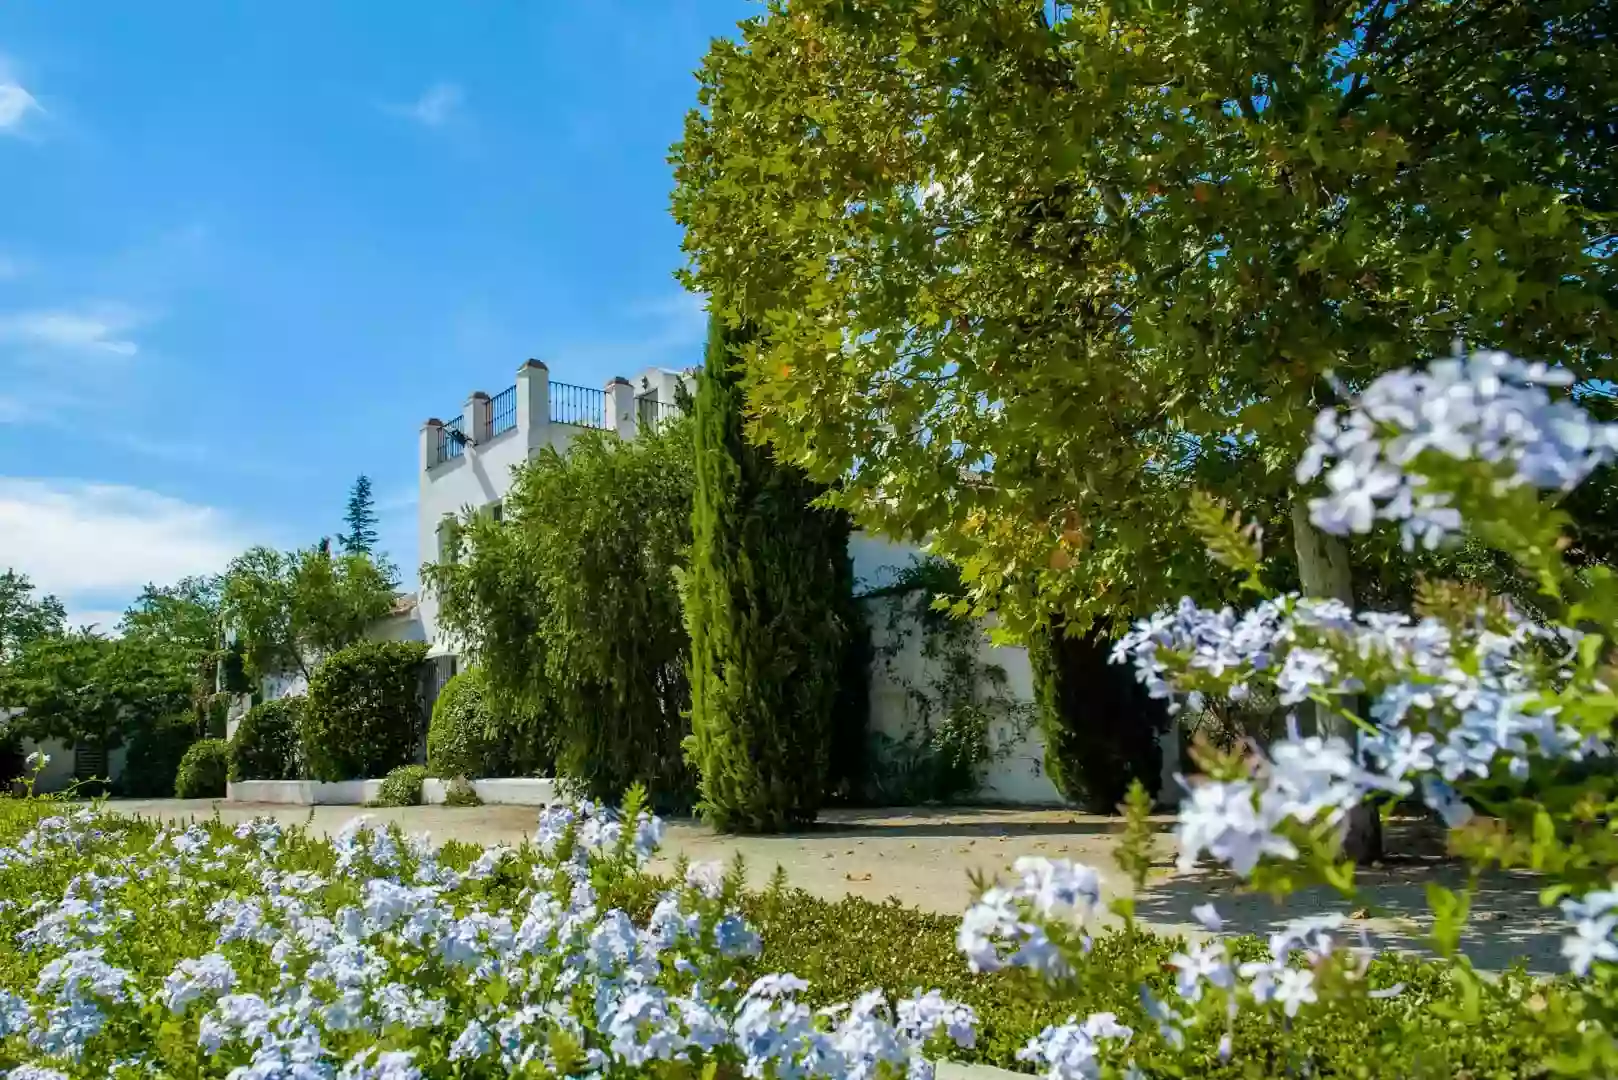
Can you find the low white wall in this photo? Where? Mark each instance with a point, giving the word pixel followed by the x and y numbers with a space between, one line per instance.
pixel 1016 771
pixel 517 791
pixel 529 791
pixel 304 792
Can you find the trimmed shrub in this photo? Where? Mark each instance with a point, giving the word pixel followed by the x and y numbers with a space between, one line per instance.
pixel 458 739
pixel 265 746
pixel 402 786
pixel 203 770
pixel 152 764
pixel 461 793
pixel 767 609
pixel 362 717
pixel 1100 725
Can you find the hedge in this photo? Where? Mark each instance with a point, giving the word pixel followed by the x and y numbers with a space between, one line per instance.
pixel 152 765
pixel 265 745
pixel 458 742
pixel 203 770
pixel 846 946
pixel 1100 726
pixel 362 717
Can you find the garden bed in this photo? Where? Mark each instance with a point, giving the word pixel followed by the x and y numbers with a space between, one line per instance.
pixel 514 791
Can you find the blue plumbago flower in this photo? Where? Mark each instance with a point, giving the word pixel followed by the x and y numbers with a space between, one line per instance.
pixel 192 979
pixel 922 1015
pixel 1488 407
pixel 1595 918
pixel 1072 1051
pixel 707 878
pixel 34 1072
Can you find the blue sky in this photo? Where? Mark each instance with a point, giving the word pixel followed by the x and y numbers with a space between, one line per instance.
pixel 246 248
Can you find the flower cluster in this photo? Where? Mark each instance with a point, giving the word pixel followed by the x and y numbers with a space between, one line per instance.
pixel 1451 700
pixel 1488 407
pixel 378 956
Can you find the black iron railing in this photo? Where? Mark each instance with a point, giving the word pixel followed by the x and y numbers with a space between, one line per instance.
pixel 452 440
pixel 578 405
pixel 503 412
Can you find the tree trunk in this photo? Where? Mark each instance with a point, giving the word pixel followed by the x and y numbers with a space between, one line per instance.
pixel 1323 571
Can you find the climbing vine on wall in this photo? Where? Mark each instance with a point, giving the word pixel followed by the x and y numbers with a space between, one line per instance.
pixel 964 716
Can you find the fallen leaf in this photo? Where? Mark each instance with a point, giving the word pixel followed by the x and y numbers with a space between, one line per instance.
pixel 858 877
pixel 1359 913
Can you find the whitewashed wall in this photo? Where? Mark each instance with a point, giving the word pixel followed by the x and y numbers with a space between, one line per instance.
pixel 481 475
pixel 59 773
pixel 1017 772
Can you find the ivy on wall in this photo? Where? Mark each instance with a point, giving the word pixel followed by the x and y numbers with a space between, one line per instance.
pixel 964 714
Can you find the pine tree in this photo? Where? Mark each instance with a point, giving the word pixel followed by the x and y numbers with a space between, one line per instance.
pixel 767 609
pixel 361 537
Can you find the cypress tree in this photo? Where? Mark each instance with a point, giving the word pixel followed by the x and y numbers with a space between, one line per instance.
pixel 360 517
pixel 767 608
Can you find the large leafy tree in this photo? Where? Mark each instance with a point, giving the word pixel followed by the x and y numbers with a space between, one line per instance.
pixel 93 691
pixel 1025 285
pixel 184 616
pixel 23 617
pixel 288 609
pixel 766 603
pixel 570 604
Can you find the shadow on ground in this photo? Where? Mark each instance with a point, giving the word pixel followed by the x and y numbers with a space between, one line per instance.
pixel 1506 924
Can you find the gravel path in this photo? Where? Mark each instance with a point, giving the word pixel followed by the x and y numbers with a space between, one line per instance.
pixel 925 858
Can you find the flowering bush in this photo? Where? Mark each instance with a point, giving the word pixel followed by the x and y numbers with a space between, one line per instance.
pixel 1468 704
pixel 259 952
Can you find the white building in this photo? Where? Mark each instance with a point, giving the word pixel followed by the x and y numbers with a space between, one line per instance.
pixel 466 463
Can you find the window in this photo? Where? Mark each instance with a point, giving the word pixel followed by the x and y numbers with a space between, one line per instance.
pixel 497 511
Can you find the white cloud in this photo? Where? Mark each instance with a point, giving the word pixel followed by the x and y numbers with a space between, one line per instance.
pixel 437 106
pixel 95 545
pixel 15 105
pixel 104 622
pixel 101 331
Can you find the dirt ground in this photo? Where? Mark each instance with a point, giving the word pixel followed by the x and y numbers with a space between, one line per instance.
pixel 925 858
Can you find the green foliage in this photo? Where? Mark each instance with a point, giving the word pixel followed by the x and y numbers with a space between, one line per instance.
pixel 94 691
pixel 459 739
pixel 492 604
pixel 360 516
pixel 203 770
pixel 1100 725
pixel 290 609
pixel 23 618
pixel 844 946
pixel 362 716
pixel 460 792
pixel 964 715
pixel 570 608
pixel 265 745
pixel 402 786
pixel 1023 284
pixel 184 615
pixel 152 764
pixel 766 600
